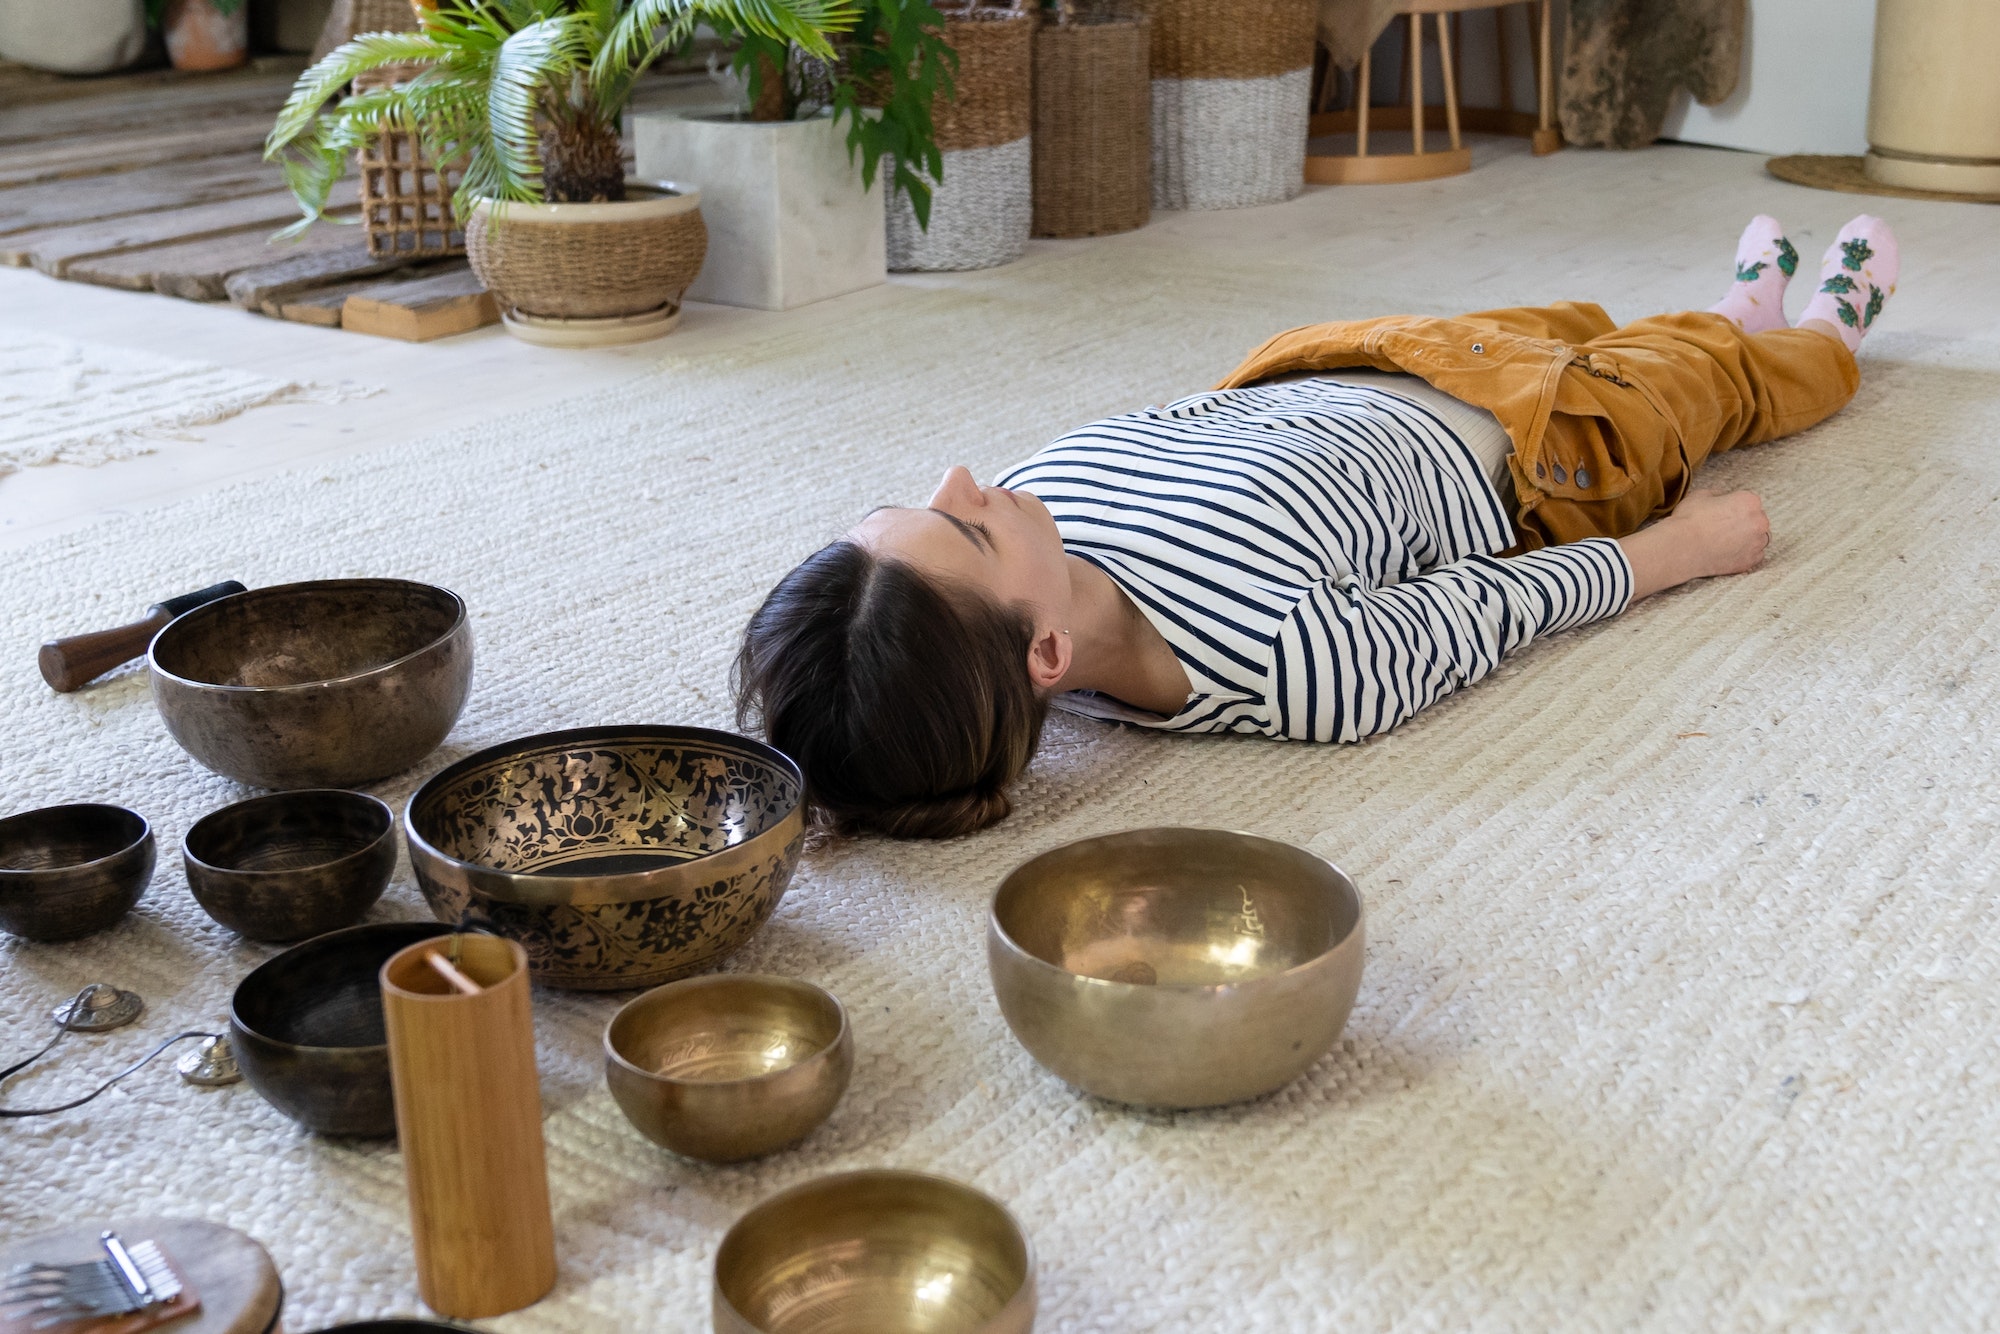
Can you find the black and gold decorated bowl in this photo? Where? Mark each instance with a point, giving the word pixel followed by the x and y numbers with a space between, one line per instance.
pixel 618 857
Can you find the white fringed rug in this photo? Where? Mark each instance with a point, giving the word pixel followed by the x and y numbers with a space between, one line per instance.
pixel 1684 950
pixel 67 401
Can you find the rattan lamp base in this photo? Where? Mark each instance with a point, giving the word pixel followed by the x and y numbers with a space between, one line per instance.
pixel 610 331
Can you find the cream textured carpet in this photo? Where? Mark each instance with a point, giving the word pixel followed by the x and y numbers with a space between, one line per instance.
pixel 77 402
pixel 1683 971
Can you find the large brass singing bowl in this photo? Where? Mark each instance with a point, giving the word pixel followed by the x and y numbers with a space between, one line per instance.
pixel 330 683
pixel 729 1067
pixel 618 857
pixel 1176 967
pixel 876 1252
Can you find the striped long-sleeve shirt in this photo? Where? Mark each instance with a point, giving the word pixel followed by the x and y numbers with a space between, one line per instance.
pixel 1319 555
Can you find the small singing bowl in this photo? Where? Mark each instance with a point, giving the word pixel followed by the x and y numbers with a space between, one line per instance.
pixel 1176 967
pixel 329 683
pixel 729 1067
pixel 67 871
pixel 618 857
pixel 293 864
pixel 877 1252
pixel 308 1030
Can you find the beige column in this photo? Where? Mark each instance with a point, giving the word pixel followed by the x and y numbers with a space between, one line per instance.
pixel 1934 106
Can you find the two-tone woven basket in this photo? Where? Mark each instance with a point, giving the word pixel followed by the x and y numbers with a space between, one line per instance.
pixel 599 261
pixel 1093 142
pixel 982 210
pixel 1232 95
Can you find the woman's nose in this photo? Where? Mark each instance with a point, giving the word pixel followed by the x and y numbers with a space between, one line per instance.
pixel 957 489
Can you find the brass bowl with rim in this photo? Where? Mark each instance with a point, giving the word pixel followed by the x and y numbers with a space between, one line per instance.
pixel 69 871
pixel 327 683
pixel 875 1252
pixel 729 1067
pixel 619 857
pixel 1176 967
pixel 290 865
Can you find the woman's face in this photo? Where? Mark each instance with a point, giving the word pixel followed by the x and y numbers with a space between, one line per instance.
pixel 1002 542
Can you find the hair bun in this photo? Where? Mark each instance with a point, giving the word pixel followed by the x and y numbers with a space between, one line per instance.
pixel 948 816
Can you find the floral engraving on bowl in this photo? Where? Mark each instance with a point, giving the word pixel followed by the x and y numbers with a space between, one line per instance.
pixel 615 807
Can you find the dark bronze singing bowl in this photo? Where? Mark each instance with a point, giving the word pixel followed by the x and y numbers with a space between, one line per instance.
pixel 617 856
pixel 292 864
pixel 729 1067
pixel 1176 967
pixel 877 1252
pixel 323 684
pixel 308 1032
pixel 66 871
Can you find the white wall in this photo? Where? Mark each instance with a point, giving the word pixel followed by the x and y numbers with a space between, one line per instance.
pixel 1804 86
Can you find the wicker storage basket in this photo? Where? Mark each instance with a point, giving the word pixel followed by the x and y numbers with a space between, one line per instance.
pixel 1232 94
pixel 1093 119
pixel 981 210
pixel 590 261
pixel 405 197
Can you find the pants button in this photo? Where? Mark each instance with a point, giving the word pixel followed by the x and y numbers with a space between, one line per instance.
pixel 1583 477
pixel 1561 476
pixel 1540 471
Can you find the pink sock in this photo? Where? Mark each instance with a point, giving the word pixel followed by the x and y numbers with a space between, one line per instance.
pixel 1856 277
pixel 1765 262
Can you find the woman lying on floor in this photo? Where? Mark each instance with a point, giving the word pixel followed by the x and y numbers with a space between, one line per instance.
pixel 1311 551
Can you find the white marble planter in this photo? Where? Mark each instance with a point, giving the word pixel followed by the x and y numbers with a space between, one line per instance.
pixel 73 36
pixel 788 221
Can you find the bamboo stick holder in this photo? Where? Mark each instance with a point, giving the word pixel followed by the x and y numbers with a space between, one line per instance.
pixel 469 1114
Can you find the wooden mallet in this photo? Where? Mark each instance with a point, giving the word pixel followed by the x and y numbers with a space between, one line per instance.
pixel 72 663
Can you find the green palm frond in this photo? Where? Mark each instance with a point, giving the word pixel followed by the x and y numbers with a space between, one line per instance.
pixel 316 86
pixel 534 60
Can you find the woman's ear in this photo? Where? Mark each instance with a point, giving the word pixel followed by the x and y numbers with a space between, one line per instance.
pixel 1049 657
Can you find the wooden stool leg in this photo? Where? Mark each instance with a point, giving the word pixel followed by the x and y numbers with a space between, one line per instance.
pixel 1361 95
pixel 1417 82
pixel 1506 69
pixel 1450 80
pixel 1547 138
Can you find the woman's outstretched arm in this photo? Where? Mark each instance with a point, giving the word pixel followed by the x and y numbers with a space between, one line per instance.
pixel 1713 532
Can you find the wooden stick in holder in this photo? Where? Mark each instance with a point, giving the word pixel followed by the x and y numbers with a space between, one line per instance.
pixel 469 1113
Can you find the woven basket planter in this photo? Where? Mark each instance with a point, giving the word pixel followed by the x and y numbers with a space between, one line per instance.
pixel 1232 94
pixel 590 273
pixel 982 209
pixel 1093 127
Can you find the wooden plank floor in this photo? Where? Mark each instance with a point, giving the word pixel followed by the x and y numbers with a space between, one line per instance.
pixel 155 182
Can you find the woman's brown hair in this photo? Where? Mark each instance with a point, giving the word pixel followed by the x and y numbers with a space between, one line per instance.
pixel 906 703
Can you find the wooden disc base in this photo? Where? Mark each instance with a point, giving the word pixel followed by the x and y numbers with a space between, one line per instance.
pixel 1384 168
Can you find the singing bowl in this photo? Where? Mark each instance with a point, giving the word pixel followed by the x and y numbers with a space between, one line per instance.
pixel 330 683
pixel 292 864
pixel 728 1067
pixel 877 1252
pixel 618 857
pixel 308 1031
pixel 1176 967
pixel 66 871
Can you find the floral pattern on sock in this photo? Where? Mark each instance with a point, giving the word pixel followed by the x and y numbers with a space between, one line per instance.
pixel 1839 282
pixel 1788 258
pixel 1747 273
pixel 1855 253
pixel 1876 296
pixel 1848 315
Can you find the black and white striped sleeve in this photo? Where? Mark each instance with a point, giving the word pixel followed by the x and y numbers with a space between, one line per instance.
pixel 1353 661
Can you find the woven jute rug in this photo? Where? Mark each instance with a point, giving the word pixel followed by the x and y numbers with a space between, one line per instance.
pixel 1684 946
pixel 1833 172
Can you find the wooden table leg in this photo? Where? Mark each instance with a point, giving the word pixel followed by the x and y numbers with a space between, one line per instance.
pixel 1417 82
pixel 1361 95
pixel 1450 80
pixel 1547 138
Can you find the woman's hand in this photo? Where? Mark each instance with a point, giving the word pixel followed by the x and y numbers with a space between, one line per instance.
pixel 1713 532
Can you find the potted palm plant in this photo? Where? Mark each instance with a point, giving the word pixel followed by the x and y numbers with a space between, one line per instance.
pixel 795 222
pixel 524 96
